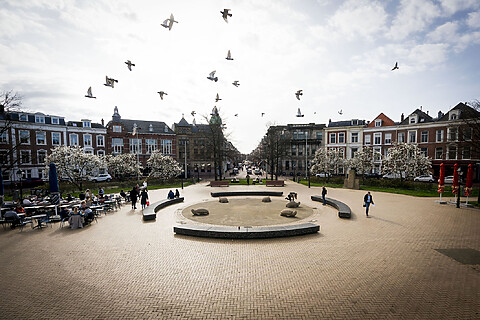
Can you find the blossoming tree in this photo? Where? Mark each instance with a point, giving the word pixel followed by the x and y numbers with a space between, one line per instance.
pixel 406 160
pixel 163 167
pixel 123 165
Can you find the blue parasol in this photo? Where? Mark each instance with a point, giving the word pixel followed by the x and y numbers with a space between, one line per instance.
pixel 53 182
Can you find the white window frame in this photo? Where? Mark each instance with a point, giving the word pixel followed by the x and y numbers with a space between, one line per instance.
pixel 379 136
pixel 378 122
pixel 117 147
pixel 70 137
pixel 38 156
pixel 136 145
pixel 100 141
pixel 20 136
pixel 4 137
pixel 87 140
pixel 39 118
pixel 422 136
pixel 352 135
pixel 342 135
pixel 166 146
pixel 117 128
pixel 37 133
pixel 368 139
pixel 388 138
pixel 334 136
pixel 441 155
pixel 410 136
pixel 441 131
pixel 23 117
pixel 55 120
pixel 59 138
pixel 377 154
pixel 29 152
pixel 401 140
pixel 101 153
pixel 150 145
pixel 448 153
pixel 469 153
pixel 86 124
pixel 412 120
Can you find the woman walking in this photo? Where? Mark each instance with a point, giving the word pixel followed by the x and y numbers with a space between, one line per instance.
pixel 144 198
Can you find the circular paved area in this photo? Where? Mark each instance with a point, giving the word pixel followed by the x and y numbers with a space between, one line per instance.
pixel 250 211
pixel 383 267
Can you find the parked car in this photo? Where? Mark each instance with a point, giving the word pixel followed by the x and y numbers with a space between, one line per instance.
pixel 392 176
pixel 322 175
pixel 258 172
pixel 249 171
pixel 373 175
pixel 101 177
pixel 449 179
pixel 425 178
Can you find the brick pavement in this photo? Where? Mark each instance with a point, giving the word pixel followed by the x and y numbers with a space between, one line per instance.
pixel 383 267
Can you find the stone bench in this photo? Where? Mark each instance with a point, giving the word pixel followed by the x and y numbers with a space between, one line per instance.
pixel 274 183
pixel 219 183
pixel 343 210
pixel 247 193
pixel 226 232
pixel 150 212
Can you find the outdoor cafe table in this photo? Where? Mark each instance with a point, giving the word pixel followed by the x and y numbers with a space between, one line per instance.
pixel 38 217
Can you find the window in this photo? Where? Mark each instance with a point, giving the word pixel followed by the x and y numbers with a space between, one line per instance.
pixel 412 136
pixel 368 139
pixel 354 137
pixel 294 150
pixel 117 145
pixel 341 137
pixel 136 146
pixel 25 157
pixel 41 138
pixel 41 156
pixel 467 134
pixel 39 119
pixel 333 138
pixel 439 135
pixel 320 135
pixel 438 153
pixel 86 123
pixel 117 128
pixel 73 139
pixel 4 157
pixel 151 145
pixel 401 137
pixel 87 140
pixel 56 138
pixel 352 152
pixel 28 174
pixel 4 137
pixel 341 153
pixel 466 153
pixel 377 138
pixel 101 153
pixel 452 153
pixel 378 122
pixel 424 151
pixel 23 117
pixel 377 154
pixel 453 116
pixel 452 134
pixel 412 120
pixel 166 146
pixel 150 128
pixel 300 150
pixel 24 137
pixel 424 136
pixel 388 138
pixel 88 151
pixel 100 141
pixel 55 120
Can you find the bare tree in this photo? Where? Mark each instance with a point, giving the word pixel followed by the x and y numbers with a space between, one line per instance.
pixel 9 102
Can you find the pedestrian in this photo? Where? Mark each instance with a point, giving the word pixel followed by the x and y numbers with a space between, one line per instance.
pixel 101 192
pixel 367 201
pixel 170 195
pixel 133 197
pixel 324 193
pixel 248 180
pixel 177 193
pixel 144 198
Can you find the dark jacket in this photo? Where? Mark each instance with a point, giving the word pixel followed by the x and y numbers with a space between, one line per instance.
pixel 365 199
pixel 324 191
pixel 144 196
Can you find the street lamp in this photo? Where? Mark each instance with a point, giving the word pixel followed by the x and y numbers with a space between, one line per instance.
pixel 181 177
pixel 20 174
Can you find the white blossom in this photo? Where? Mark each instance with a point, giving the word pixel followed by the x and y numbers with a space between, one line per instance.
pixel 163 167
pixel 406 160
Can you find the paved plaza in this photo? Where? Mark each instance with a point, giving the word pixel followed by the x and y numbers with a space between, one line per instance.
pixel 383 267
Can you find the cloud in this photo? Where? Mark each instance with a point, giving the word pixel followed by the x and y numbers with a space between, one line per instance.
pixel 445 33
pixel 413 17
pixel 452 6
pixel 473 20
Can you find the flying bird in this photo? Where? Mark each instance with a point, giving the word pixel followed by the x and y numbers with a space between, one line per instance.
pixel 236 114
pixel 89 93
pixel 298 94
pixel 236 83
pixel 162 93
pixel 109 82
pixel 263 113
pixel 129 65
pixel 212 77
pixel 168 23
pixel 299 113
pixel 229 56
pixel 193 113
pixel 340 112
pixel 217 98
pixel 225 14
pixel 396 66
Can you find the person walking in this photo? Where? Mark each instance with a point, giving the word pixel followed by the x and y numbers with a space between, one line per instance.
pixel 324 193
pixel 248 180
pixel 144 198
pixel 367 201
pixel 133 197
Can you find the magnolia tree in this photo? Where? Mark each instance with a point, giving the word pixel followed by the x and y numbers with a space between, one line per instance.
pixel 122 165
pixel 73 164
pixel 163 167
pixel 362 162
pixel 407 161
pixel 327 161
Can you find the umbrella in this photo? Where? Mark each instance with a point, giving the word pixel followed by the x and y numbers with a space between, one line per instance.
pixel 53 182
pixel 469 183
pixel 455 179
pixel 441 181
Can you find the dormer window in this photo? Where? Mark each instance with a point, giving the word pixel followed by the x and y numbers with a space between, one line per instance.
pixel 150 128
pixel 166 129
pixel 23 117
pixel 74 124
pixel 55 120
pixel 86 123
pixel 412 120
pixel 355 122
pixel 39 119
pixel 453 116
pixel 378 122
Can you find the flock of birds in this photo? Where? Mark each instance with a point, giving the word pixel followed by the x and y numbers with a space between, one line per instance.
pixel 168 23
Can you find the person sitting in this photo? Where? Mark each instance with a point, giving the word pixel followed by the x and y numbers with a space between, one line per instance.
pixel 64 214
pixel 123 195
pixel 76 220
pixel 26 202
pixel 171 195
pixel 177 194
pixel 20 209
pixel 81 196
pixel 69 197
pixel 88 215
pixel 12 216
pixel 101 193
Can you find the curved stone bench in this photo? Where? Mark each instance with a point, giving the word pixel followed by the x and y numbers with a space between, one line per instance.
pixel 225 232
pixel 150 212
pixel 247 193
pixel 343 210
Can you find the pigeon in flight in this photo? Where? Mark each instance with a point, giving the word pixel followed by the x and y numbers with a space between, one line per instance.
pixel 193 113
pixel 225 14
pixel 217 98
pixel 299 113
pixel 396 66
pixel 229 56
pixel 89 93
pixel 129 65
pixel 109 82
pixel 298 94
pixel 236 114
pixel 212 77
pixel 236 83
pixel 263 113
pixel 340 112
pixel 168 23
pixel 162 93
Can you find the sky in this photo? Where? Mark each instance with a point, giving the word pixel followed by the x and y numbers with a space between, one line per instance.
pixel 340 53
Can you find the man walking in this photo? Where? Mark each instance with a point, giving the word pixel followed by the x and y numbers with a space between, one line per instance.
pixel 367 201
pixel 324 193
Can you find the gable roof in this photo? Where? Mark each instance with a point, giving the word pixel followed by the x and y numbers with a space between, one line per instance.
pixel 422 117
pixel 466 112
pixel 143 126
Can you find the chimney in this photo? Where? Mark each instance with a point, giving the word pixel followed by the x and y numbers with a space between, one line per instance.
pixel 427 112
pixel 329 120
pixel 402 117
pixel 420 108
pixel 103 123
pixel 440 114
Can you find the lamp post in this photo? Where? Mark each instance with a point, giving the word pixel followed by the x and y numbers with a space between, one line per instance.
pixel 20 174
pixel 459 186
pixel 185 142
pixel 181 177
